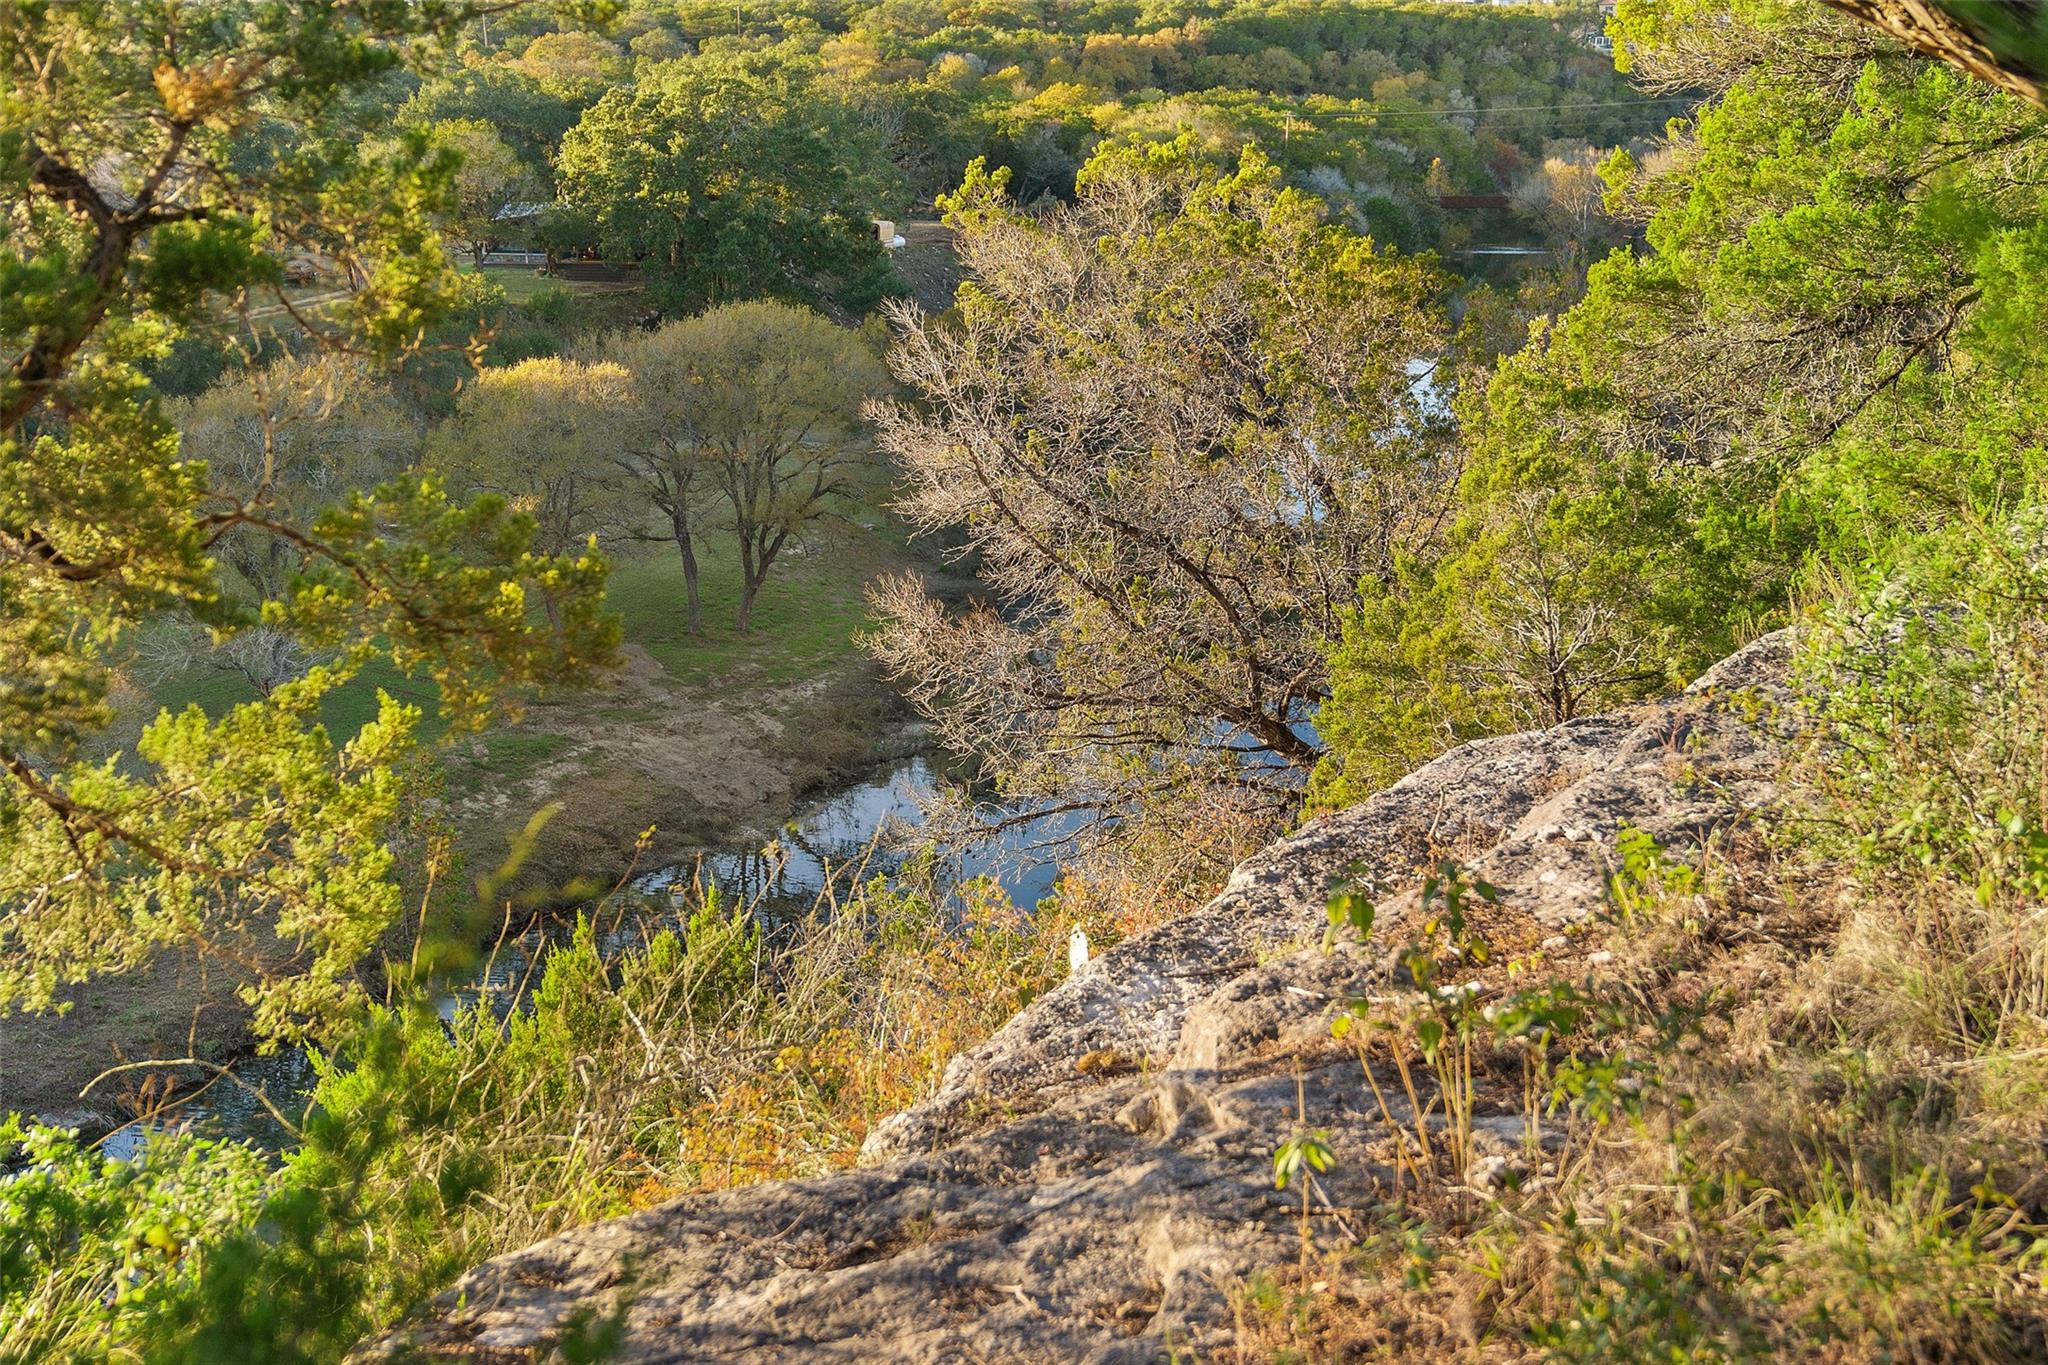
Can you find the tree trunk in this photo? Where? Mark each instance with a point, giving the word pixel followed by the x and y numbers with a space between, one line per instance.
pixel 750 584
pixel 694 612
pixel 751 575
pixel 2003 42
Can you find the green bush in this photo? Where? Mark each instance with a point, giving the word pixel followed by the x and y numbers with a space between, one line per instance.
pixel 1929 769
pixel 98 1254
pixel 554 306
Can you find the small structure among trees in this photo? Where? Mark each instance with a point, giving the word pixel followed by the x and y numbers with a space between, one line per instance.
pixel 729 180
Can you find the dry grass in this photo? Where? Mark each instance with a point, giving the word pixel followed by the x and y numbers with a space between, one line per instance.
pixel 1826 1166
pixel 692 1060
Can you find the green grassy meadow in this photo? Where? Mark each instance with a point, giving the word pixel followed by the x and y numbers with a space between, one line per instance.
pixel 522 283
pixel 805 622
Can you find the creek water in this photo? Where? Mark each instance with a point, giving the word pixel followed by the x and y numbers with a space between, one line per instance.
pixel 848 828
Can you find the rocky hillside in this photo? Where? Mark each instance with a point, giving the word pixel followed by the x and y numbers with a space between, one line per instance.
pixel 1096 1181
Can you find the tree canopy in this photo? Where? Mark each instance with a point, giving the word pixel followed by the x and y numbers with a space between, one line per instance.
pixel 504 99
pixel 540 434
pixel 489 176
pixel 745 417
pixel 163 163
pixel 1180 424
pixel 729 180
pixel 1831 341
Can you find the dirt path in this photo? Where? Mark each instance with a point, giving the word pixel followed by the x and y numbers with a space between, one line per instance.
pixel 926 260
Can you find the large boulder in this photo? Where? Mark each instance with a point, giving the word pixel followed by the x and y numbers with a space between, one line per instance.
pixel 1095 1181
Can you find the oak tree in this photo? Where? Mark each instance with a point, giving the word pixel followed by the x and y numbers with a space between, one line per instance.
pixel 488 177
pixel 540 434
pixel 729 182
pixel 753 407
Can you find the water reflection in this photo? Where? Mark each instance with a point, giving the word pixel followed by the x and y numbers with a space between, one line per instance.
pixel 840 833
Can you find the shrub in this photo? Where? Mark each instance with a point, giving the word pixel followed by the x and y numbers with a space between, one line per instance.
pixel 695 1058
pixel 95 1252
pixel 554 306
pixel 1929 769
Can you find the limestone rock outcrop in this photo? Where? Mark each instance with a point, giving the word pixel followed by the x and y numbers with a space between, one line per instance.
pixel 1031 1210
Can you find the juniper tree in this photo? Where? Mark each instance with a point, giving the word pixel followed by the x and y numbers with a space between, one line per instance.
pixel 160 163
pixel 1830 341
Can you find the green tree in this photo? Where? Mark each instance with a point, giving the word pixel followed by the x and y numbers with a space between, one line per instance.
pixel 727 182
pixel 541 434
pixel 662 454
pixel 504 99
pixel 158 160
pixel 756 406
pixel 563 230
pixel 488 176
pixel 573 65
pixel 1830 343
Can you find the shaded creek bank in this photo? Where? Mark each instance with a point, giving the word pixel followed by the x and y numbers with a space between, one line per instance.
pixel 831 838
